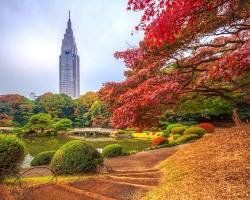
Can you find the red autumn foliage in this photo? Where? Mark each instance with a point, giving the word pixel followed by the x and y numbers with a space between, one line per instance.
pixel 188 46
pixel 12 99
pixel 209 128
pixel 158 141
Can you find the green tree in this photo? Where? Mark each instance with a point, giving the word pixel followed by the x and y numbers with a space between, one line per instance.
pixel 57 105
pixel 5 108
pixel 63 125
pixel 39 123
pixel 97 115
pixel 199 108
pixel 88 99
pixel 18 107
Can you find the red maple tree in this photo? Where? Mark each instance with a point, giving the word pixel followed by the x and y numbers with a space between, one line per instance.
pixel 188 46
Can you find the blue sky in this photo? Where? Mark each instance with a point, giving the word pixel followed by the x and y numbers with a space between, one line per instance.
pixel 31 33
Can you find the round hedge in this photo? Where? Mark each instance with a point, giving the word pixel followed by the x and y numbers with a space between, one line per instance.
pixel 159 140
pixel 178 130
pixel 186 138
pixel 194 130
pixel 42 158
pixel 171 126
pixel 176 136
pixel 112 150
pixel 166 133
pixel 209 128
pixel 11 155
pixel 76 157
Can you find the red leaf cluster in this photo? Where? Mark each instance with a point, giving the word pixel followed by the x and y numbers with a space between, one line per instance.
pixel 158 141
pixel 209 128
pixel 188 46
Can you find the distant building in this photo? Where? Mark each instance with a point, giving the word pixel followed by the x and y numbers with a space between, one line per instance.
pixel 69 64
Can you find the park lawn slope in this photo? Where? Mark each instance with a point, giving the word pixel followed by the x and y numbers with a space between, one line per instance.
pixel 214 167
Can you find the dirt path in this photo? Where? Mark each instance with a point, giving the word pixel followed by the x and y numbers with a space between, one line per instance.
pixel 131 176
pixel 139 161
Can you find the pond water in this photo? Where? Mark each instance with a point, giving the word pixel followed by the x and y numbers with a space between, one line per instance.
pixel 35 145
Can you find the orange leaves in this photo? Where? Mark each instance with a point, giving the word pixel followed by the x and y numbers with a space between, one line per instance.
pixel 159 141
pixel 178 31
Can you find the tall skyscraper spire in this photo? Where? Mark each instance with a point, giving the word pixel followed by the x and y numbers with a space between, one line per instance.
pixel 69 64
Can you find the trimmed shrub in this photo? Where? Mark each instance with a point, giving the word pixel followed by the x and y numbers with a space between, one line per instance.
pixel 160 134
pixel 166 133
pixel 175 136
pixel 194 130
pixel 171 138
pixel 171 126
pixel 120 132
pixel 159 140
pixel 63 125
pixel 112 150
pixel 42 158
pixel 209 128
pixel 11 155
pixel 178 130
pixel 186 138
pixel 76 157
pixel 123 133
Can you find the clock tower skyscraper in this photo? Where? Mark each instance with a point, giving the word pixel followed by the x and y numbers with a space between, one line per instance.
pixel 69 65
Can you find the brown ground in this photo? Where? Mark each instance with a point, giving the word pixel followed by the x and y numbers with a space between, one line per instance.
pixel 214 167
pixel 139 161
pixel 131 176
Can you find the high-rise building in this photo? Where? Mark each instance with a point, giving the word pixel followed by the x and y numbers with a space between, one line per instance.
pixel 69 64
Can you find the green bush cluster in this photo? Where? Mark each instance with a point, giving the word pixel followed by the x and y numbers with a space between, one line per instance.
pixel 11 155
pixel 63 125
pixel 43 158
pixel 176 136
pixel 194 108
pixel 185 138
pixel 179 133
pixel 112 150
pixel 171 126
pixel 43 125
pixel 166 133
pixel 178 130
pixel 76 157
pixel 194 130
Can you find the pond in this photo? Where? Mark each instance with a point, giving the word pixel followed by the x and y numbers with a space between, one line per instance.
pixel 35 145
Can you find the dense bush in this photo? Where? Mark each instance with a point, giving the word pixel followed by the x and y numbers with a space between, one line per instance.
pixel 76 157
pixel 196 108
pixel 63 125
pixel 194 130
pixel 11 155
pixel 40 124
pixel 186 138
pixel 160 133
pixel 178 130
pixel 166 133
pixel 112 150
pixel 42 158
pixel 209 128
pixel 120 132
pixel 243 110
pixel 159 140
pixel 176 136
pixel 97 115
pixel 171 126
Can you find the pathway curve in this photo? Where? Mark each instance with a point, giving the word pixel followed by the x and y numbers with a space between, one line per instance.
pixel 131 176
